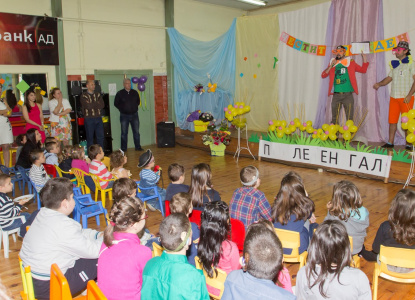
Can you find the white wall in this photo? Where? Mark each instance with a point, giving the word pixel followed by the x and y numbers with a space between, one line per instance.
pixel 203 21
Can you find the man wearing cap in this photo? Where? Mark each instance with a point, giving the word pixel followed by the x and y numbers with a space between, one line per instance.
pixel 402 76
pixel 342 71
pixel 127 101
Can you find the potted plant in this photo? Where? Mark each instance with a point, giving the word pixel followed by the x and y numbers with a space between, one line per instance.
pixel 217 140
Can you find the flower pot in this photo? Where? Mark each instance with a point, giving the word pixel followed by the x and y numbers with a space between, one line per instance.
pixel 200 126
pixel 217 150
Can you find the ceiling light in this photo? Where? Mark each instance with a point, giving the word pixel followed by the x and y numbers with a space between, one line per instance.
pixel 254 2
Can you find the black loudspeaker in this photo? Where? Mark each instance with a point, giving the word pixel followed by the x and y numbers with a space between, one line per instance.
pixel 166 134
pixel 74 88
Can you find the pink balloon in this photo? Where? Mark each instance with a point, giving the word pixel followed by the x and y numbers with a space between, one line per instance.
pixel 270 122
pixel 225 109
pixel 280 128
pixel 326 132
pixel 292 123
pixel 315 132
pixel 305 124
pixel 236 106
pixel 404 119
pixel 241 106
pixel 345 127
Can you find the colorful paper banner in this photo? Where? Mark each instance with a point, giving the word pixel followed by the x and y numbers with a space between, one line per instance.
pixel 320 50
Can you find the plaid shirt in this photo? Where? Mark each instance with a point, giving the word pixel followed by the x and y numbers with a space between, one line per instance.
pixel 402 79
pixel 249 205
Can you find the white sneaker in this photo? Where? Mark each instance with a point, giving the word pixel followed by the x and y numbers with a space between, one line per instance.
pixel 150 207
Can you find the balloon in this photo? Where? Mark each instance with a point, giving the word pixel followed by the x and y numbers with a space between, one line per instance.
pixel 141 87
pixel 314 136
pixel 333 137
pixel 278 123
pixel 279 128
pixel 304 124
pixel 353 128
pixel 229 112
pixel 325 127
pixel 230 118
pixel 287 131
pixel 270 122
pixel 284 123
pixel 248 108
pixel 234 113
pixel 332 128
pixel 142 79
pixel 297 123
pixel 404 126
pixel 319 131
pixel 135 80
pixel 239 111
pixel 296 120
pixel 236 106
pixel 309 123
pixel 315 132
pixel 411 114
pixel 242 103
pixel 350 122
pixel 411 127
pixel 347 136
pixel 345 127
pixel 292 128
pixel 230 107
pixel 404 114
pixel 410 138
pixel 302 128
pixel 327 132
pixel 292 123
pixel 309 129
pixel 280 134
pixel 225 109
pixel 240 106
pixel 271 128
pixel 341 130
pixel 404 119
pixel 324 136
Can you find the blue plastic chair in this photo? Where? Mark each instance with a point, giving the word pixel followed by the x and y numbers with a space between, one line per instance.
pixel 25 178
pixel 15 178
pixel 145 198
pixel 34 186
pixel 86 207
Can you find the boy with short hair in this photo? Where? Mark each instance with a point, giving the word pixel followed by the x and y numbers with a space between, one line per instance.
pixel 248 204
pixel 51 155
pixel 176 175
pixel 182 203
pixel 170 276
pixel 261 262
pixel 37 172
pixel 97 167
pixel 56 238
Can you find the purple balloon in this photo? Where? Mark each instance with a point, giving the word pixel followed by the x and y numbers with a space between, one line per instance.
pixel 141 87
pixel 135 80
pixel 143 79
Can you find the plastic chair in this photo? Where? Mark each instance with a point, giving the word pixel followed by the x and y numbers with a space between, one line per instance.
pixel 291 239
pixel 87 208
pixel 238 233
pixel 25 179
pixel 198 264
pixel 94 292
pixel 80 179
pixel 157 249
pixel 59 286
pixel 167 207
pixel 5 234
pixel 106 162
pixel 217 282
pixel 399 257
pixel 34 186
pixel 12 150
pixel 60 172
pixel 15 178
pixel 145 198
pixel 50 170
pixel 356 257
pixel 196 216
pixel 98 188
pixel 28 292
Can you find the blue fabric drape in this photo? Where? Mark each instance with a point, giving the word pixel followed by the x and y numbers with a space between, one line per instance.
pixel 193 60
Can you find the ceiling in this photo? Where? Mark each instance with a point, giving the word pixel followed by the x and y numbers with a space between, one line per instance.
pixel 246 6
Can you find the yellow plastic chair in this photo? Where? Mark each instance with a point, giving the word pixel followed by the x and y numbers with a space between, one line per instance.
pixel 80 179
pixel 106 162
pixel 98 188
pixel 198 264
pixel 94 292
pixel 291 239
pixel 398 257
pixel 217 282
pixel 61 172
pixel 12 150
pixel 28 292
pixel 356 257
pixel 157 250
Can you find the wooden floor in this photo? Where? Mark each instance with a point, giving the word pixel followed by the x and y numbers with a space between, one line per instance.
pixel 376 196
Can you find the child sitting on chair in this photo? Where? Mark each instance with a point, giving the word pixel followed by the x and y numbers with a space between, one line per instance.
pixel 37 172
pixel 56 238
pixel 117 160
pixel 150 178
pixel 176 175
pixel 52 151
pixel 21 139
pixel 261 262
pixel 170 275
pixel 97 167
pixel 66 163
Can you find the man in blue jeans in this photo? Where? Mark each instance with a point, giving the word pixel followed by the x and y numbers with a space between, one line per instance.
pixel 92 105
pixel 127 101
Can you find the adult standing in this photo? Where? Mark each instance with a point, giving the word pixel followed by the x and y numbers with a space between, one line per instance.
pixel 127 101
pixel 92 105
pixel 402 76
pixel 60 121
pixel 342 71
pixel 33 114
pixel 6 136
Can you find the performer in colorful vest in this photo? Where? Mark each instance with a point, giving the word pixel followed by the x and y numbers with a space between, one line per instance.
pixel 342 71
pixel 402 76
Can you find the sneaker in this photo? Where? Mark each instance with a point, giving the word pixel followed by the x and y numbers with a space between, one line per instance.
pixel 139 149
pixel 151 207
pixel 388 145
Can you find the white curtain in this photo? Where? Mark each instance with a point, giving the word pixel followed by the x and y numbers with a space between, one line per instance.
pixel 299 73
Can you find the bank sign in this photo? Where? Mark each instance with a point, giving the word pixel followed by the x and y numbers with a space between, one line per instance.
pixel 28 40
pixel 361 162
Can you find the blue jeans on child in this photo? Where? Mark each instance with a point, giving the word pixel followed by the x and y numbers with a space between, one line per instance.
pixel 17 222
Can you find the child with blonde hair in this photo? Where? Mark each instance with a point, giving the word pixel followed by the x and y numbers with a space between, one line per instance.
pixel 117 160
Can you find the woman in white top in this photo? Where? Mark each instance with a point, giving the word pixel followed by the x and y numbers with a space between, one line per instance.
pixel 6 136
pixel 60 121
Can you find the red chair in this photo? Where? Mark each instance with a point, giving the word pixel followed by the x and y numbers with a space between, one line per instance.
pixel 196 217
pixel 238 233
pixel 167 207
pixel 50 170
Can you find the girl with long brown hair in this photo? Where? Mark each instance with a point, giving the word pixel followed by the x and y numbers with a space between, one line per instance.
pixel 201 189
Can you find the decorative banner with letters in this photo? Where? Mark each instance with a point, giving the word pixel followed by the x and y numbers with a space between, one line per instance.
pixel 362 162
pixel 28 40
pixel 320 50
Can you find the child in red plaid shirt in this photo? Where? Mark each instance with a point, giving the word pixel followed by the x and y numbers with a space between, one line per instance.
pixel 249 204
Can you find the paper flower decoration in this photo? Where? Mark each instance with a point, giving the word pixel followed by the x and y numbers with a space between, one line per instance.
pixel 212 87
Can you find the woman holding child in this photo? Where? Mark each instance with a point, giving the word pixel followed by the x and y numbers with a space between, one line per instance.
pixel 60 121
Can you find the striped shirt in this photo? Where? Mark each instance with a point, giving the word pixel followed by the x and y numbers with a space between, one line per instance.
pixel 148 178
pixel 39 176
pixel 249 205
pixel 96 167
pixel 7 210
pixel 402 79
